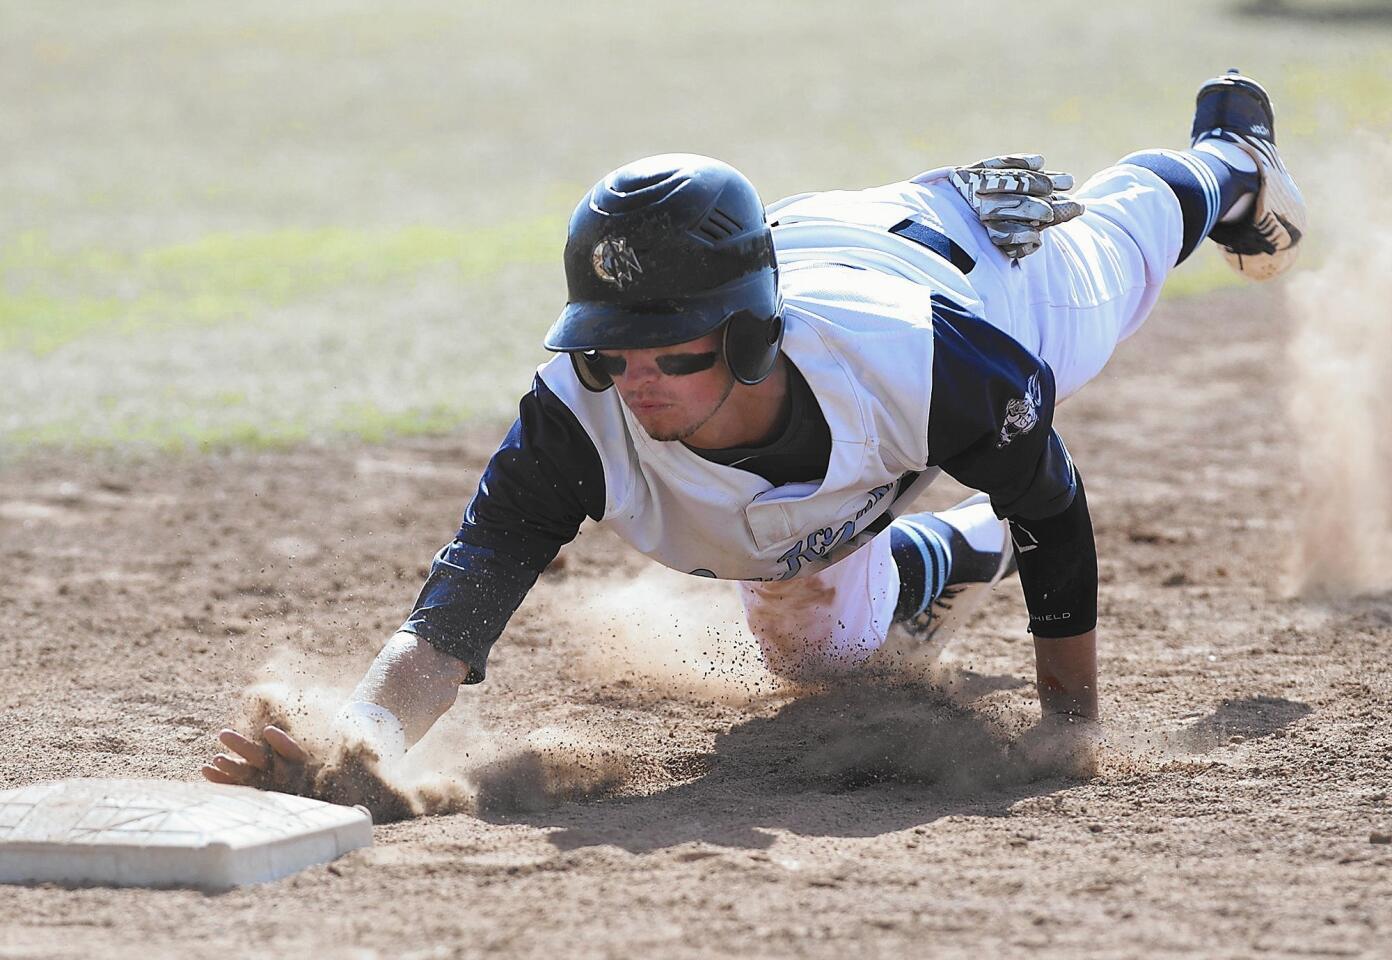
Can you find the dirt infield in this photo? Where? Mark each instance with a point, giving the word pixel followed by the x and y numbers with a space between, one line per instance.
pixel 624 802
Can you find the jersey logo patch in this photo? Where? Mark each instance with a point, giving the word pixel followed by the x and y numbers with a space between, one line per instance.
pixel 827 544
pixel 615 262
pixel 1022 414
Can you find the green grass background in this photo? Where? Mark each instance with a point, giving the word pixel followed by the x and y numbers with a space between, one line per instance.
pixel 261 224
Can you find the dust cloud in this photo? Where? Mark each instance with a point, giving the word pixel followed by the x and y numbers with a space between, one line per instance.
pixel 673 634
pixel 890 732
pixel 901 719
pixel 458 767
pixel 1340 355
pixel 876 729
pixel 667 635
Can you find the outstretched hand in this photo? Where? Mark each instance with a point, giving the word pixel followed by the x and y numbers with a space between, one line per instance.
pixel 1015 198
pixel 279 763
pixel 351 775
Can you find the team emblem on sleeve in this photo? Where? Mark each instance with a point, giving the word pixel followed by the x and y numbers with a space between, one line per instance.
pixel 1021 414
pixel 615 262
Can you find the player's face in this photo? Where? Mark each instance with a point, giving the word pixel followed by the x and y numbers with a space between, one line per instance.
pixel 671 391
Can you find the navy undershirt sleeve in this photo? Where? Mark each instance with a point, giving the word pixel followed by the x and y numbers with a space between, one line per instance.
pixel 537 489
pixel 991 428
pixel 990 423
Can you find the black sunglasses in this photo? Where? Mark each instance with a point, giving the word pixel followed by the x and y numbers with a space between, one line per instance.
pixel 670 364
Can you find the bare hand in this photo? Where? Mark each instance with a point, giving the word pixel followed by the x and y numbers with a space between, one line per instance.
pixel 350 777
pixel 279 763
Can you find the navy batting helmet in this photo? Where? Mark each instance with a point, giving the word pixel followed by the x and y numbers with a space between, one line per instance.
pixel 664 250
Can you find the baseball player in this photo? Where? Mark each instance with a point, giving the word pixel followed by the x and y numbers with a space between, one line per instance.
pixel 759 394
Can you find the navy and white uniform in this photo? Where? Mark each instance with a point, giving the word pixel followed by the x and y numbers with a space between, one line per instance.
pixel 925 350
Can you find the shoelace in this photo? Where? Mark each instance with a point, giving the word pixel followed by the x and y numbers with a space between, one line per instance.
pixel 928 621
pixel 949 593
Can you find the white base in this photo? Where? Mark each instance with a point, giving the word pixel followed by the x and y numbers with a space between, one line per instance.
pixel 157 833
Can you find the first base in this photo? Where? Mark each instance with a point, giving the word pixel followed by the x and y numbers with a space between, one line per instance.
pixel 158 833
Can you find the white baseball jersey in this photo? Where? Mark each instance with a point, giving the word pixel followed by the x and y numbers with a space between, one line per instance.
pixel 885 323
pixel 864 343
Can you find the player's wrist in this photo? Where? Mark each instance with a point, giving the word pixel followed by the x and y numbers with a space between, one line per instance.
pixel 1066 676
pixel 1070 709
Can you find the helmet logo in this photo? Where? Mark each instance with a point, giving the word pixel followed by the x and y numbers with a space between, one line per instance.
pixel 615 262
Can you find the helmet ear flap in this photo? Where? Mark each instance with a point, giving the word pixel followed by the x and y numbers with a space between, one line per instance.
pixel 751 346
pixel 587 371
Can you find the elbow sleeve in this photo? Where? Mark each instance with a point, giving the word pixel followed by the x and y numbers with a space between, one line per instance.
pixel 1057 557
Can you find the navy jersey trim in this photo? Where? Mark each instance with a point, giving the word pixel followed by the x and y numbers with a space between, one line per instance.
pixel 990 423
pixel 940 243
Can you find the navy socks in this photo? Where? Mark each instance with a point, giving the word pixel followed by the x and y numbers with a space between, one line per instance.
pixel 1207 188
pixel 924 560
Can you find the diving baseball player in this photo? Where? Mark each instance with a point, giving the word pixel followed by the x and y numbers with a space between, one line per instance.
pixel 759 394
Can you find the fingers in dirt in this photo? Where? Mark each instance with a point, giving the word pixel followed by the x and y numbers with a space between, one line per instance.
pixel 214 775
pixel 232 767
pixel 254 753
pixel 285 745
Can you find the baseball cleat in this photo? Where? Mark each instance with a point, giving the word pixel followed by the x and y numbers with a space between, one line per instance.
pixel 982 555
pixel 1238 110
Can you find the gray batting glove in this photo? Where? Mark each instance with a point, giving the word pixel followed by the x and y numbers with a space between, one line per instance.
pixel 1015 198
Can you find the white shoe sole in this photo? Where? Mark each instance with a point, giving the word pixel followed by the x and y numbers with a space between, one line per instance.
pixel 1279 216
pixel 951 611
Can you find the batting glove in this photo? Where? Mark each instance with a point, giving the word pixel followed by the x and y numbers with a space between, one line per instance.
pixel 1015 198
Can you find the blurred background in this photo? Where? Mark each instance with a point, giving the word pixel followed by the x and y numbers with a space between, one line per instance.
pixel 260 224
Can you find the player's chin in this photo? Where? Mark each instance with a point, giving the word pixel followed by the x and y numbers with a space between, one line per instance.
pixel 661 425
pixel 669 436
